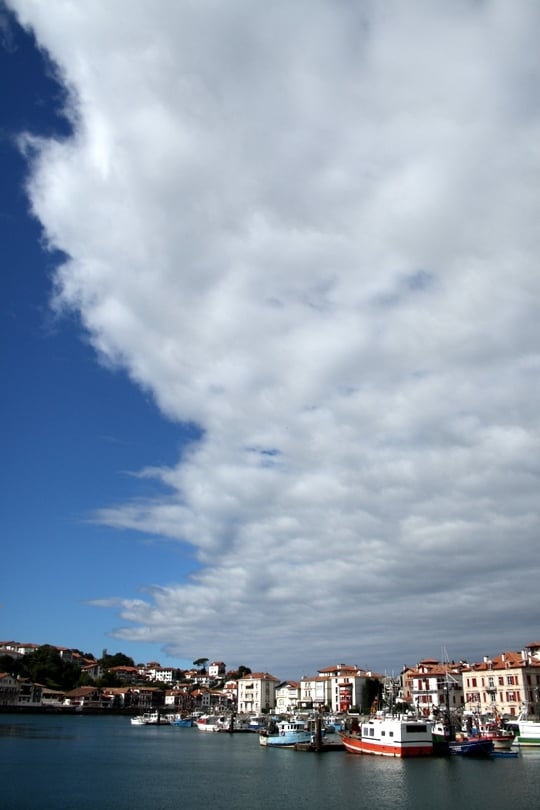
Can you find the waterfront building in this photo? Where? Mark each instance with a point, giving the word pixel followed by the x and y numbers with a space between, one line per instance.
pixel 314 692
pixel 257 693
pixel 287 697
pixel 9 689
pixel 338 688
pixel 432 686
pixel 505 684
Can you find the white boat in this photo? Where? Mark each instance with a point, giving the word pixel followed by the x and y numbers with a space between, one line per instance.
pixel 150 719
pixel 390 736
pixel 210 722
pixel 528 734
pixel 257 723
pixel 285 734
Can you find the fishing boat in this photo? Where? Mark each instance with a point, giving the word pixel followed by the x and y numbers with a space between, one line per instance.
pixel 257 723
pixel 502 738
pixel 527 733
pixel 390 736
pixel 285 734
pixel 447 741
pixel 490 728
pixel 208 722
pixel 183 722
pixel 150 719
pixel 471 747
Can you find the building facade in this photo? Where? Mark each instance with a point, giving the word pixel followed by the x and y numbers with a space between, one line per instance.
pixel 257 693
pixel 287 697
pixel 506 684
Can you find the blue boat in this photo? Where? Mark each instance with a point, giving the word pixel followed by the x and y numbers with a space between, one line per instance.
pixel 183 722
pixel 285 734
pixel 475 747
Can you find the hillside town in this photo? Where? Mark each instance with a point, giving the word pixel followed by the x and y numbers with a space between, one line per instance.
pixel 506 683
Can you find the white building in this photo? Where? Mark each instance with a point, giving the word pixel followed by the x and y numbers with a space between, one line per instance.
pixel 257 693
pixel 339 688
pixel 433 686
pixel 216 670
pixel 160 674
pixel 287 697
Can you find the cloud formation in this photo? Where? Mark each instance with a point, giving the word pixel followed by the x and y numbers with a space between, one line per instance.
pixel 311 228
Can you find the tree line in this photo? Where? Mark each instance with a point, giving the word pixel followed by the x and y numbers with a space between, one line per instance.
pixel 45 666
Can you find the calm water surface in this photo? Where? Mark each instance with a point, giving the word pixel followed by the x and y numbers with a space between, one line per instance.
pixel 75 763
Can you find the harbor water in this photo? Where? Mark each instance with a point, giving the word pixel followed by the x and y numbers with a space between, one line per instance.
pixel 58 762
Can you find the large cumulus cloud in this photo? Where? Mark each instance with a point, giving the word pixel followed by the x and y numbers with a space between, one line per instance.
pixel 311 229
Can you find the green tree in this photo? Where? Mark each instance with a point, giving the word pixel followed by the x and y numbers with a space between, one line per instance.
pixel 85 680
pixel 46 666
pixel 201 662
pixel 241 672
pixel 117 660
pixel 13 666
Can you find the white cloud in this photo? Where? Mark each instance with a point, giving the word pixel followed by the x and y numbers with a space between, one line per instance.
pixel 311 228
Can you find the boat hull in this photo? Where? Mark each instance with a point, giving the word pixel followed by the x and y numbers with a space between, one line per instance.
pixel 391 738
pixel 527 742
pixel 285 734
pixel 528 735
pixel 472 748
pixel 359 746
pixel 285 740
pixel 501 743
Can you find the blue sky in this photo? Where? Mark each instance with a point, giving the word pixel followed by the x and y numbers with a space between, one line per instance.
pixel 270 338
pixel 73 429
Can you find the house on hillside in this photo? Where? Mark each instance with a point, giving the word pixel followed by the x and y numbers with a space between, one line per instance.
pixel 126 674
pixel 216 670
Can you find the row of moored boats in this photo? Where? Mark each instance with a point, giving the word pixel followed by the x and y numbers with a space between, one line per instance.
pixel 381 734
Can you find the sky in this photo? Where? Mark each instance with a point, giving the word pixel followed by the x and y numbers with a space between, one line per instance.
pixel 270 333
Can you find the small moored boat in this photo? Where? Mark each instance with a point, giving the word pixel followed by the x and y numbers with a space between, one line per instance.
pixel 471 747
pixel 285 734
pixel 150 719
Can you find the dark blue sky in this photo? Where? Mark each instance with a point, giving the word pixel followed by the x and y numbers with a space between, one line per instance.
pixel 71 429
